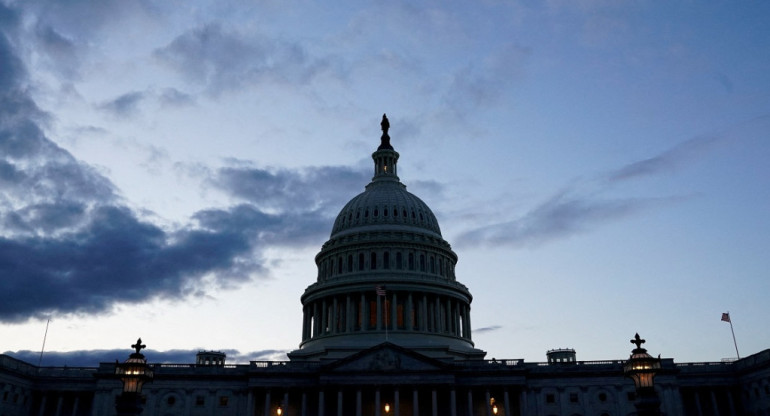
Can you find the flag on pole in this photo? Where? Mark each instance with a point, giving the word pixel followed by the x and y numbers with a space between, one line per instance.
pixel 726 317
pixel 380 290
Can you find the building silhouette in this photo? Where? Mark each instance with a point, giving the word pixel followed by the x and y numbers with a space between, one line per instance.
pixel 386 330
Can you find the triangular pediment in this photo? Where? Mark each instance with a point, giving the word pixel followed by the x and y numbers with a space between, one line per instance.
pixel 386 357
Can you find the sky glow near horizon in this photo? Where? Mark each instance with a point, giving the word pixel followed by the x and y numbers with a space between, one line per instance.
pixel 170 169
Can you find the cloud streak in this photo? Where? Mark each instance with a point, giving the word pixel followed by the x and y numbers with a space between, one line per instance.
pixel 92 358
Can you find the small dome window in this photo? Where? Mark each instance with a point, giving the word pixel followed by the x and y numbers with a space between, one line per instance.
pixel 366 213
pixel 395 212
pixel 405 216
pixel 385 212
pixel 376 213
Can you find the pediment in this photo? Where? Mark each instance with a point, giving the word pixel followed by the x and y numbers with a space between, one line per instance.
pixel 386 357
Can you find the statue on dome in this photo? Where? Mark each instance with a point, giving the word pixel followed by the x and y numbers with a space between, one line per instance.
pixel 385 139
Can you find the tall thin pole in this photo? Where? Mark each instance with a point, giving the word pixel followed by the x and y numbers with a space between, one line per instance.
pixel 734 342
pixel 40 360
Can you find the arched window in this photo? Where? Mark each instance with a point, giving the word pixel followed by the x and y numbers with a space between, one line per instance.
pixel 399 261
pixel 350 263
pixel 339 265
pixel 376 212
pixel 331 269
pixel 411 261
pixel 360 261
pixel 422 262
pixel 432 264
pixel 386 260
pixel 373 261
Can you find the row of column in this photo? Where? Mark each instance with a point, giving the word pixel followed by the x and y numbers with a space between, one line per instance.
pixel 343 403
pixel 407 311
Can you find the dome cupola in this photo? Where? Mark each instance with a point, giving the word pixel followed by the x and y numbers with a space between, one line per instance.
pixel 386 274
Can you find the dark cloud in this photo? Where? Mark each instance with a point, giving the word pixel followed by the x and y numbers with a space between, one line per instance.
pixel 61 51
pixel 92 358
pixel 323 189
pixel 176 98
pixel 227 60
pixel 69 245
pixel 667 161
pixel 125 105
pixel 486 329
pixel 561 216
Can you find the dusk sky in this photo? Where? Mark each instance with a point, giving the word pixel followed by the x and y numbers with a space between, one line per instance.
pixel 169 169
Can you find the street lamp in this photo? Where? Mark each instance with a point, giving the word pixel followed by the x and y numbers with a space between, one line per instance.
pixel 134 372
pixel 642 368
pixel 387 408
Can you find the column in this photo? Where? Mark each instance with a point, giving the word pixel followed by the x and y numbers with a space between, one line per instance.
pixel 304 403
pixel 697 404
pixel 324 317
pixel 75 406
pixel 339 403
pixel 424 317
pixel 267 403
pixel 379 312
pixel 285 403
pixel 714 403
pixel 59 404
pixel 396 403
pixel 506 402
pixel 470 402
pixel 415 402
pixel 321 404
pixel 348 314
pixel 488 398
pixel 394 312
pixel 42 405
pixel 250 403
pixel 453 402
pixel 377 409
pixel 358 402
pixel 316 320
pixel 434 402
pixel 335 317
pixel 362 312
pixel 408 310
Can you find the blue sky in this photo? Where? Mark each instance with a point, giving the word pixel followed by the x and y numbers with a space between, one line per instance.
pixel 170 169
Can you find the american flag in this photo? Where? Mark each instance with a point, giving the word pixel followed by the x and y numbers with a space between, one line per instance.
pixel 380 290
pixel 726 316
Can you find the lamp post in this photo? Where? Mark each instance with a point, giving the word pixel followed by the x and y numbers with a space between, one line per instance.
pixel 642 368
pixel 134 372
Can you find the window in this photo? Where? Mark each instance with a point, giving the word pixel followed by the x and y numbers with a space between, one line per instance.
pixel 171 400
pixel 399 261
pixel 386 260
pixel 573 397
pixel 223 400
pixel 422 262
pixel 602 397
pixel 411 261
pixel 200 400
pixel 432 264
pixel 373 261
pixel 350 262
pixel 550 398
pixel 631 396
pixel 339 265
pixel 360 261
pixel 376 212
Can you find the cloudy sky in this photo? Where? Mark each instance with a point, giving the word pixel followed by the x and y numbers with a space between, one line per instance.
pixel 170 169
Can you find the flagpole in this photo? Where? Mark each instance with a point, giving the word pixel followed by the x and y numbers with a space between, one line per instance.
pixel 40 360
pixel 733 332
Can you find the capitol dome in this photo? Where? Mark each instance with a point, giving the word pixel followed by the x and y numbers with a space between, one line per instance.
pixel 386 275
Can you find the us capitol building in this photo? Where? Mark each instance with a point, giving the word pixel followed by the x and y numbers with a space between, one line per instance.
pixel 386 330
